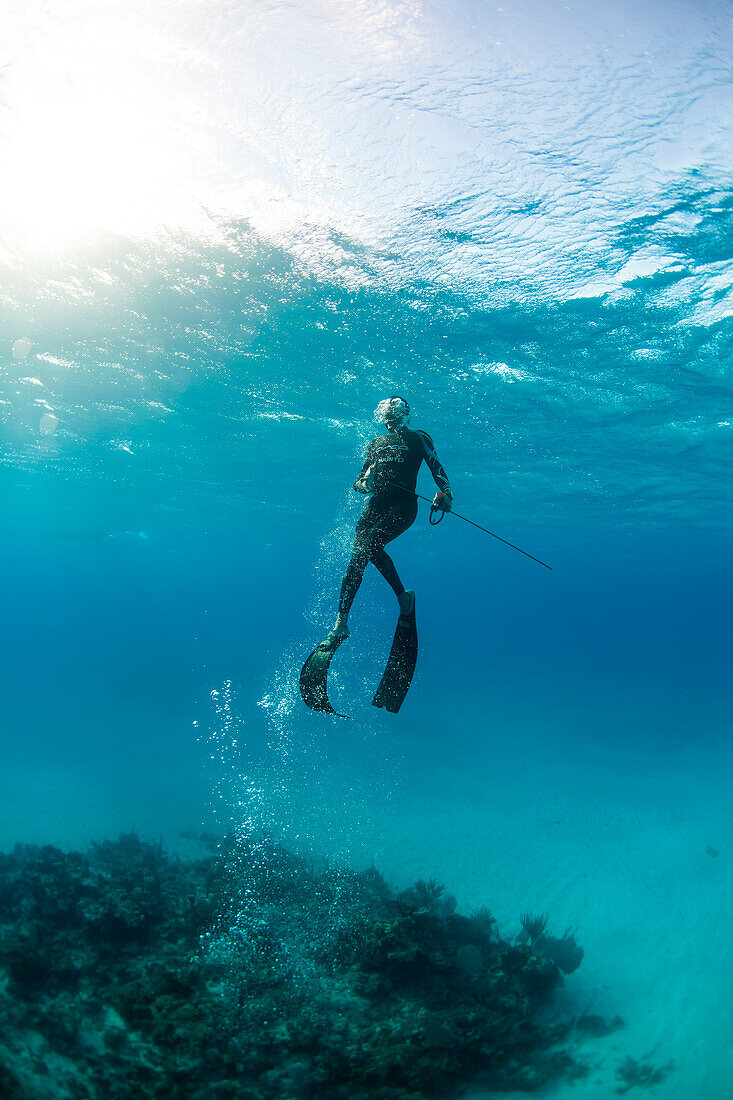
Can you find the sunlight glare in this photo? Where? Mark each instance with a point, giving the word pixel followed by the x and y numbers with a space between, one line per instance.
pixel 86 143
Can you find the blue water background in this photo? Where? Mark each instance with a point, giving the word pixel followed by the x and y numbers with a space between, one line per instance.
pixel 523 221
pixel 154 555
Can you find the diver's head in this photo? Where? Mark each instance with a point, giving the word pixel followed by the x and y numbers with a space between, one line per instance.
pixel 394 411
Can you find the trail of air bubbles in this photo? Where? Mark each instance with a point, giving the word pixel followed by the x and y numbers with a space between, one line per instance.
pixel 281 701
pixel 239 804
pixel 318 807
pixel 257 935
pixel 292 762
pixel 243 938
pixel 282 808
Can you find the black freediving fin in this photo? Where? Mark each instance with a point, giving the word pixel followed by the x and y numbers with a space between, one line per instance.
pixel 398 674
pixel 314 676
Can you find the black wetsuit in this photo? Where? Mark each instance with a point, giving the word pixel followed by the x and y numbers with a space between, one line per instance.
pixel 394 459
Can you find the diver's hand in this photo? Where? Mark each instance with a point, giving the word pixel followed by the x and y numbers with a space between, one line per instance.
pixel 365 483
pixel 443 501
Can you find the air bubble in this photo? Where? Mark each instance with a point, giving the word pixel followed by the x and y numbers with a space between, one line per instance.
pixel 21 348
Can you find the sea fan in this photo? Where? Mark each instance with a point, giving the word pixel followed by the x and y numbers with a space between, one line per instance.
pixel 534 924
pixel 484 918
pixel 428 892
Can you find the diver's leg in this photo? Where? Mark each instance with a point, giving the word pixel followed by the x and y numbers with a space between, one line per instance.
pixel 375 528
pixel 352 580
pixel 353 576
pixel 396 522
pixel 386 567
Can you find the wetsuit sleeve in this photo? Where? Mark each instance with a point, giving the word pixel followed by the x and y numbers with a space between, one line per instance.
pixel 359 485
pixel 434 464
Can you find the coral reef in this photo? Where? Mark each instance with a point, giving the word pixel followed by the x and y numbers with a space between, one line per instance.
pixel 564 951
pixel 250 973
pixel 596 1027
pixel 635 1074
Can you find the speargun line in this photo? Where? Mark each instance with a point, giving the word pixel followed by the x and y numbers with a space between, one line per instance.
pixel 467 520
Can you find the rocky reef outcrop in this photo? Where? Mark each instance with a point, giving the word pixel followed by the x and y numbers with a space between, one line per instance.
pixel 253 973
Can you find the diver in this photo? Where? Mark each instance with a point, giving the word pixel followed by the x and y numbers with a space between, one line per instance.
pixel 389 477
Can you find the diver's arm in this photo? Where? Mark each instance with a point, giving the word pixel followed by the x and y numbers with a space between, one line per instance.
pixel 444 498
pixel 363 483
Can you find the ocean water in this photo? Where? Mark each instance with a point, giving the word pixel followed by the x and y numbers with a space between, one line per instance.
pixel 227 231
